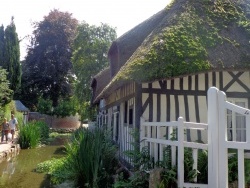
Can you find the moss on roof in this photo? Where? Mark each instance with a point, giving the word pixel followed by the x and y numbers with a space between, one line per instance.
pixel 193 36
pixel 201 35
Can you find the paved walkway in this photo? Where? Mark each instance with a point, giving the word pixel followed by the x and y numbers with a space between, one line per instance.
pixel 8 149
pixel 6 146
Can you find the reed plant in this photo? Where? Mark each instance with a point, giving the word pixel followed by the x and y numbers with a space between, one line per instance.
pixel 91 158
pixel 29 135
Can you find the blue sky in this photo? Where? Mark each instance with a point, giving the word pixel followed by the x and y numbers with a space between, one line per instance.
pixel 123 15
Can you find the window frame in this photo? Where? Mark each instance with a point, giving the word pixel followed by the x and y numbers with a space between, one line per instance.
pixel 232 136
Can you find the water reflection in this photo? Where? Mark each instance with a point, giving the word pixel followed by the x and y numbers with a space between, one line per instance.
pixel 8 170
pixel 18 172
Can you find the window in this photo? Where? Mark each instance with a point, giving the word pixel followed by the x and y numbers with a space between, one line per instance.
pixel 236 123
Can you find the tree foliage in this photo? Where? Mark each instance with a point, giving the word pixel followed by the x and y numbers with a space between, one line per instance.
pixel 90 55
pixel 10 55
pixel 48 68
pixel 44 106
pixel 63 109
pixel 1 45
pixel 5 92
pixel 66 108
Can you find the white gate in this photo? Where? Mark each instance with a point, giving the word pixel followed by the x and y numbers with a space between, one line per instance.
pixel 153 135
pixel 219 144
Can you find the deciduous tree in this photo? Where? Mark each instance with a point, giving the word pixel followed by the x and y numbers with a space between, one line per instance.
pixel 48 67
pixel 90 55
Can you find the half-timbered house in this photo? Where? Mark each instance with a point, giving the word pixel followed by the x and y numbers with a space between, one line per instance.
pixel 162 68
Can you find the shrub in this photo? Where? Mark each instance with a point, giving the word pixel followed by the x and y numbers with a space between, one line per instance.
pixel 44 106
pixel 87 112
pixel 44 130
pixel 55 168
pixel 29 135
pixel 63 109
pixel 142 164
pixel 66 108
pixel 138 180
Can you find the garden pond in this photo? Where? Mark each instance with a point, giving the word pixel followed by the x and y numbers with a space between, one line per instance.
pixel 19 171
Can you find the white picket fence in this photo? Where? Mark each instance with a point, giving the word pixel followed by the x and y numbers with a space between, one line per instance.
pixel 153 134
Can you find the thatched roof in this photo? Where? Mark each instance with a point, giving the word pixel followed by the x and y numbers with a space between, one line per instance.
pixel 190 36
pixel 20 107
pixel 131 40
pixel 99 81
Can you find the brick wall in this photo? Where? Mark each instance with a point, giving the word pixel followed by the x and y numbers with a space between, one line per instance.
pixel 71 122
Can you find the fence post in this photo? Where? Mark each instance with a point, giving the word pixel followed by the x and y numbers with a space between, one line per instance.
pixel 248 128
pixel 241 172
pixel 180 172
pixel 158 149
pixel 142 133
pixel 223 154
pixel 213 139
pixel 195 157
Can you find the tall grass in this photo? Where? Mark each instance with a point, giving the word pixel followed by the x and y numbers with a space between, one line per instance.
pixel 29 135
pixel 91 158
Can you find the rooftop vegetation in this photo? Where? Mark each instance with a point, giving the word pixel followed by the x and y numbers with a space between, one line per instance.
pixel 183 45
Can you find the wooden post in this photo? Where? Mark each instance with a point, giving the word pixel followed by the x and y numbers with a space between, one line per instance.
pixel 248 127
pixel 121 130
pixel 157 146
pixel 114 126
pixel 180 152
pixel 160 145
pixel 213 138
pixel 173 154
pixel 195 158
pixel 241 169
pixel 142 133
pixel 223 151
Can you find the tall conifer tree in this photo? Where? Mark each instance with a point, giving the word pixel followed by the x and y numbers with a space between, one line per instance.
pixel 12 56
pixel 1 45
